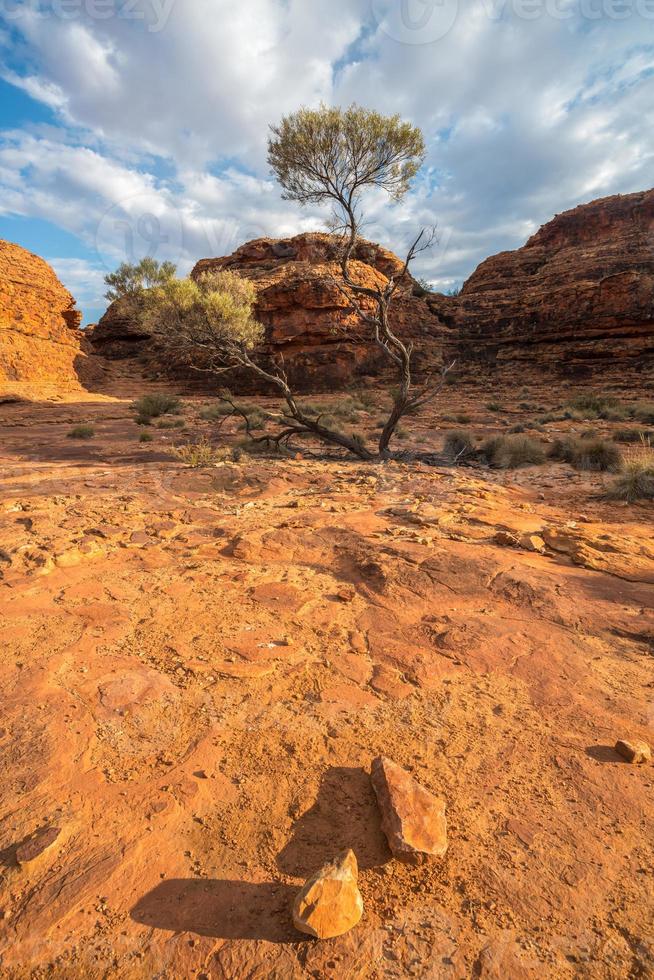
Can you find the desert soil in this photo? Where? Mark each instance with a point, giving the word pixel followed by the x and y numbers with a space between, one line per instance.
pixel 198 666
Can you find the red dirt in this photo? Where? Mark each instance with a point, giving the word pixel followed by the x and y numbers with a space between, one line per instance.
pixel 198 667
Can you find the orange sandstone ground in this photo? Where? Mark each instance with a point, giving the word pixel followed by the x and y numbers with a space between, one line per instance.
pixel 198 666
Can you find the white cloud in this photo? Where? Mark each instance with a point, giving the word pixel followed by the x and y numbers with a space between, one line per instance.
pixel 164 133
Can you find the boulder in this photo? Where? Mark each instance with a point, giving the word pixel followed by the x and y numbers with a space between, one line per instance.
pixel 40 339
pixel 330 902
pixel 634 751
pixel 412 818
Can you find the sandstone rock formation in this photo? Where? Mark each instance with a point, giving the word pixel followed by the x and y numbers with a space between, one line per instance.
pixel 40 339
pixel 412 818
pixel 330 902
pixel 307 317
pixel 580 293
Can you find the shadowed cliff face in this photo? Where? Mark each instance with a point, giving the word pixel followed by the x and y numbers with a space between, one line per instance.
pixel 579 294
pixel 40 338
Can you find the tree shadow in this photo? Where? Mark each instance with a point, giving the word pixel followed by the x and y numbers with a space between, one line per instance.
pixel 604 753
pixel 221 909
pixel 344 815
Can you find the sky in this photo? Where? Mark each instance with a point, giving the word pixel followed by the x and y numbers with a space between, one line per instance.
pixel 136 127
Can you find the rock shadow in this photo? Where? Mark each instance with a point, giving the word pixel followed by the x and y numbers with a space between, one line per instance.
pixel 604 753
pixel 220 909
pixel 345 814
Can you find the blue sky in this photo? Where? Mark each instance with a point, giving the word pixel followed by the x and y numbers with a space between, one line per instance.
pixel 136 128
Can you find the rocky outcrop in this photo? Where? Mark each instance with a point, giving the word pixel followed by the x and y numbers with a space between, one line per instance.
pixel 308 318
pixel 117 334
pixel 578 295
pixel 40 339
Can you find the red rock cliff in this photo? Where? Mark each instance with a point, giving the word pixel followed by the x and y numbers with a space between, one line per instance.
pixel 40 339
pixel 579 294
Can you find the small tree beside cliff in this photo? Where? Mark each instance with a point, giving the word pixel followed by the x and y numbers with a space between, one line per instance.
pixel 322 156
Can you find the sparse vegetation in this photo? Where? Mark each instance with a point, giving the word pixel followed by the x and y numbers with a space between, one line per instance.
pixel 82 432
pixel 636 482
pixel 494 407
pixel 145 437
pixel 513 451
pixel 130 281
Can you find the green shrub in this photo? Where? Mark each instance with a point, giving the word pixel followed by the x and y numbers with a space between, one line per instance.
pixel 462 418
pixel 145 437
pixel 510 452
pixel 519 427
pixel 153 406
pixel 494 407
pixel 143 420
pixel 214 412
pixel 636 482
pixel 459 445
pixel 82 432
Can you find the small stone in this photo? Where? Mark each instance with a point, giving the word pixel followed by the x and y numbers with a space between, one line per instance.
pixel 37 844
pixel 412 818
pixel 330 902
pixel 634 752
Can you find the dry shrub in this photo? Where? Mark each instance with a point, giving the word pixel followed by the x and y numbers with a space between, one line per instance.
pixel 592 454
pixel 636 482
pixel 459 445
pixel 202 453
pixel 511 452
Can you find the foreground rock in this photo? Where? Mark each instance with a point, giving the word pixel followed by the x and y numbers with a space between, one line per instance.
pixel 40 339
pixel 412 818
pixel 578 294
pixel 635 752
pixel 330 902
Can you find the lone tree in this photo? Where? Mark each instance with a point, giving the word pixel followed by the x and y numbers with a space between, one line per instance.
pixel 323 156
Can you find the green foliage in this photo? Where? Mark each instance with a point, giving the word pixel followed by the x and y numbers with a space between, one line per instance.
pixel 145 437
pixel 459 445
pixel 171 424
pixel 82 432
pixel 592 405
pixel 153 406
pixel 328 153
pixel 130 281
pixel 510 452
pixel 202 320
pixel 494 407
pixel 636 482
